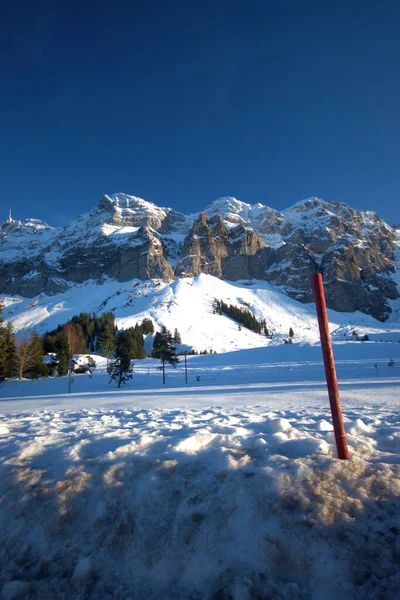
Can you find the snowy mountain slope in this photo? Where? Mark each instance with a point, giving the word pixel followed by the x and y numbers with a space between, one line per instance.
pixel 187 305
pixel 24 238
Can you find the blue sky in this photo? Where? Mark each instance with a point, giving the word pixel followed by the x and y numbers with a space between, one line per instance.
pixel 182 102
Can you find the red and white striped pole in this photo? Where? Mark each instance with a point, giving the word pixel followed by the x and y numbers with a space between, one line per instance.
pixel 330 371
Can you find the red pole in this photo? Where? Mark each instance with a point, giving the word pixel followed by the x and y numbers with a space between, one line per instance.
pixel 330 371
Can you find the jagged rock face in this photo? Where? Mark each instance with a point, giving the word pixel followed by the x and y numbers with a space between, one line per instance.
pixel 126 237
pixel 204 248
pixel 140 257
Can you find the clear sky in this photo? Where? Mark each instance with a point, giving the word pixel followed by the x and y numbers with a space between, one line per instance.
pixel 181 102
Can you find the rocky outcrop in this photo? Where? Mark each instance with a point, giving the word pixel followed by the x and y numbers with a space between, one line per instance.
pixel 126 238
pixel 139 257
pixel 204 248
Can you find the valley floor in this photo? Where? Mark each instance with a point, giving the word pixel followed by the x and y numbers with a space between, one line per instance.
pixel 227 487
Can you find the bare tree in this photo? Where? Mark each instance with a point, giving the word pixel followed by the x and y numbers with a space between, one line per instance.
pixel 23 358
pixel 76 342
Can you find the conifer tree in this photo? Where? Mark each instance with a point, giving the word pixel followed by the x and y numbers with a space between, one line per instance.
pixel 106 341
pixel 10 351
pixel 291 333
pixel 164 349
pixel 7 349
pixel 63 353
pixel 177 337
pixel 120 368
pixel 147 326
pixel 37 367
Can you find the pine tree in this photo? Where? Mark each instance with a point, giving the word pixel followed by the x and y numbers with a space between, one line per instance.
pixel 10 351
pixel 177 337
pixel 37 368
pixel 63 353
pixel 291 333
pixel 120 369
pixel 147 326
pixel 106 341
pixel 164 349
pixel 6 367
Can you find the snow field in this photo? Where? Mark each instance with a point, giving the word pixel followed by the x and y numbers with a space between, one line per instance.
pixel 211 503
pixel 225 489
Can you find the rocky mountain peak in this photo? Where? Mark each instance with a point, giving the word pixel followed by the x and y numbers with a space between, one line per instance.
pixel 133 211
pixel 126 237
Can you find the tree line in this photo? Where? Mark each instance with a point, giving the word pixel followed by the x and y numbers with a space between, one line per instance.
pixel 243 316
pixel 84 333
pixel 88 332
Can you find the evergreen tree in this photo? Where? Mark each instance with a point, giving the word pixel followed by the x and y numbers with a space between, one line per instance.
pixel 119 371
pixel 147 326
pixel 37 368
pixel 7 349
pixel 177 337
pixel 10 352
pixel 133 339
pixel 291 333
pixel 2 346
pixel 106 341
pixel 164 349
pixel 120 368
pixel 62 353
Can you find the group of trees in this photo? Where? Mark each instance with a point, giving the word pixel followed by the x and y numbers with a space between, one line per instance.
pixel 127 348
pixel 84 333
pixel 91 333
pixel 196 352
pixel 20 358
pixel 242 316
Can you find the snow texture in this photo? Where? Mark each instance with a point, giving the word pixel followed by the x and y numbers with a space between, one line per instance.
pixel 228 487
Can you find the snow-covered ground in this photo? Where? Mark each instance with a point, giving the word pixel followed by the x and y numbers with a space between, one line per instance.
pixel 224 488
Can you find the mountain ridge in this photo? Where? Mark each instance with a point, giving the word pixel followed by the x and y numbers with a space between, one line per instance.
pixel 126 237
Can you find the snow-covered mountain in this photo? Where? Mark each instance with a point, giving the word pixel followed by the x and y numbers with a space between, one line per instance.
pixel 128 244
